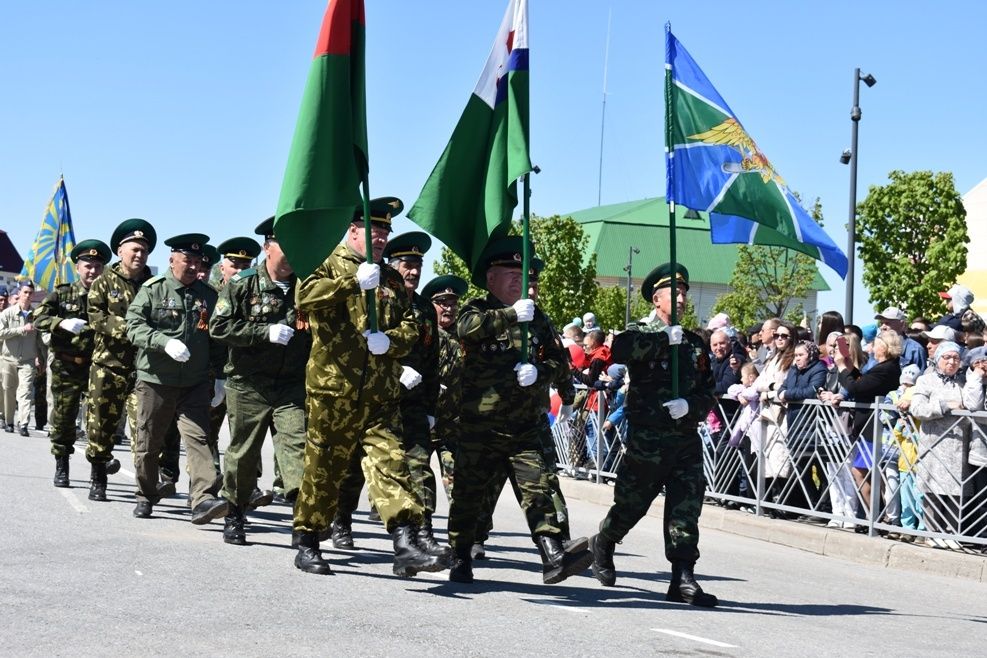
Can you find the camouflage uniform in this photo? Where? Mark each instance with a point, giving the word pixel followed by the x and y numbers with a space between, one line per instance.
pixel 352 395
pixel 111 377
pixel 662 452
pixel 72 357
pixel 165 309
pixel 265 382
pixel 501 421
pixel 447 408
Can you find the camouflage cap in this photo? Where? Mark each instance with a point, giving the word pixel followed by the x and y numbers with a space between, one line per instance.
pixel 92 251
pixel 188 243
pixel 661 277
pixel 408 246
pixel 447 285
pixel 134 230
pixel 382 210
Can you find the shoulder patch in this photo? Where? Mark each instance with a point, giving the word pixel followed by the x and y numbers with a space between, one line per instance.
pixel 223 307
pixel 243 274
pixel 154 279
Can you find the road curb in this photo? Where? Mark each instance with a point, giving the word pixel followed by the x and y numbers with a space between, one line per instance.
pixel 830 542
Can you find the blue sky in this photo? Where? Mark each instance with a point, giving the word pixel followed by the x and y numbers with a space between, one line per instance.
pixel 182 112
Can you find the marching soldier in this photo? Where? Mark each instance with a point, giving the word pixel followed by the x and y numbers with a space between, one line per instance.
pixel 64 315
pixel 111 376
pixel 502 405
pixel 663 444
pixel 353 389
pixel 419 392
pixel 168 324
pixel 265 375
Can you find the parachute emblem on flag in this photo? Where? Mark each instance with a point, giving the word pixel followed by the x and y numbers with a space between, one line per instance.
pixel 731 133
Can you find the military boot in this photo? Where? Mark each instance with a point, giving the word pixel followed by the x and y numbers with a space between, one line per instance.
pixel 233 532
pixel 113 466
pixel 309 557
pixel 602 548
pixel 427 541
pixel 685 589
pixel 558 562
pixel 462 566
pixel 410 558
pixel 342 532
pixel 97 482
pixel 62 471
pixel 259 498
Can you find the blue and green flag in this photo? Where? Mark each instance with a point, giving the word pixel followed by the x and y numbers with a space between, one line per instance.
pixel 714 166
pixel 49 262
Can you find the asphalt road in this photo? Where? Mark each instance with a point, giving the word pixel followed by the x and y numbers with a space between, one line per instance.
pixel 82 578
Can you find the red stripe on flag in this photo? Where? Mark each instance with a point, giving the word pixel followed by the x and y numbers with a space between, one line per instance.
pixel 336 35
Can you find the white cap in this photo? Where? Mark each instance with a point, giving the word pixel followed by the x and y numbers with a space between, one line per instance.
pixel 940 332
pixel 891 313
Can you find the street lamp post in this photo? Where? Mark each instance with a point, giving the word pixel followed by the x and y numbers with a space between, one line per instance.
pixel 630 263
pixel 850 157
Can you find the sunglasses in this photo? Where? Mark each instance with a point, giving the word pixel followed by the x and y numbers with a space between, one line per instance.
pixel 785 336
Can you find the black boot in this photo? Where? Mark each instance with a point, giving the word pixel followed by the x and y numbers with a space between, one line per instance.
pixel 409 558
pixel 427 541
pixel 309 557
pixel 62 471
pixel 97 482
pixel 260 498
pixel 113 466
pixel 559 563
pixel 233 532
pixel 685 589
pixel 342 533
pixel 602 548
pixel 462 565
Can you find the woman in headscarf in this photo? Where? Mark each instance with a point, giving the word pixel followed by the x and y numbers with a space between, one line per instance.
pixel 942 460
pixel 804 380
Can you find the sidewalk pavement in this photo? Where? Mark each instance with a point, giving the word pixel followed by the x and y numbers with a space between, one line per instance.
pixel 830 542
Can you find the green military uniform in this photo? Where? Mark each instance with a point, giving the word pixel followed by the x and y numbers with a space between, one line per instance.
pixel 111 376
pixel 265 380
pixel 501 423
pixel 167 314
pixel 661 452
pixel 72 352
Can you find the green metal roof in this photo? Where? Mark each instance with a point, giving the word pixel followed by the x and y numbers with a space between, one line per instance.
pixel 612 229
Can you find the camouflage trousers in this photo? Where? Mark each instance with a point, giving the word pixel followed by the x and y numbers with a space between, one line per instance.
pixel 484 456
pixel 656 459
pixel 157 407
pixel 253 410
pixel 108 391
pixel 337 428
pixel 68 384
pixel 417 445
pixel 484 523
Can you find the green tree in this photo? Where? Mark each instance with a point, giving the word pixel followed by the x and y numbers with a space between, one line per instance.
pixel 911 236
pixel 767 281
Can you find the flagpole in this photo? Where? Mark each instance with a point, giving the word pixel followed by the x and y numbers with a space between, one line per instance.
pixel 525 258
pixel 369 249
pixel 671 205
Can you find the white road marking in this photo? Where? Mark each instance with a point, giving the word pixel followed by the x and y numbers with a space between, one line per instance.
pixel 561 606
pixel 138 572
pixel 130 475
pixel 73 501
pixel 695 638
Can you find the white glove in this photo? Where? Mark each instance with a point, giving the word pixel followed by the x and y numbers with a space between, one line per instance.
pixel 368 275
pixel 72 325
pixel 565 413
pixel 280 334
pixel 176 349
pixel 526 374
pixel 431 422
pixel 218 393
pixel 525 309
pixel 410 377
pixel 674 334
pixel 677 408
pixel 378 342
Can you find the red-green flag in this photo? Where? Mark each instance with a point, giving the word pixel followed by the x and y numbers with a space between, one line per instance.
pixel 328 157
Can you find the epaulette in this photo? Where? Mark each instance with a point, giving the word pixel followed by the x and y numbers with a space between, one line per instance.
pixel 243 274
pixel 154 279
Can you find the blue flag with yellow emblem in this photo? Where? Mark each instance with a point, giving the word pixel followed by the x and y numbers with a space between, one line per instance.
pixel 713 165
pixel 48 263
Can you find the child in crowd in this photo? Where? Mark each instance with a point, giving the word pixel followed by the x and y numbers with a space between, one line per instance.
pixel 904 504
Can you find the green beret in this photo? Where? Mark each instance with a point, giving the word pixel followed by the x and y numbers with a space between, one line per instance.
pixel 505 252
pixel 210 255
pixel 266 228
pixel 661 277
pixel 445 285
pixel 382 210
pixel 240 247
pixel 134 230
pixel 407 246
pixel 188 243
pixel 91 250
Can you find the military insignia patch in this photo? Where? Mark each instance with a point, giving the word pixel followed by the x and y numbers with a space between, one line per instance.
pixel 223 307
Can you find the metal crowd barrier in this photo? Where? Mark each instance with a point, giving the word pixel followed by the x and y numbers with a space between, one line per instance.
pixel 812 469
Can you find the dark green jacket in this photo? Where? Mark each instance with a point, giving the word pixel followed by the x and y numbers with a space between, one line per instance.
pixel 248 305
pixel 64 302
